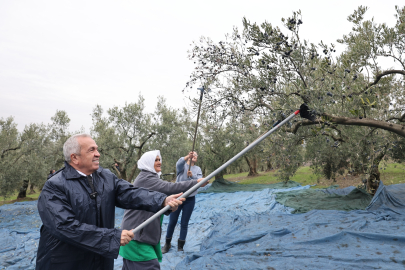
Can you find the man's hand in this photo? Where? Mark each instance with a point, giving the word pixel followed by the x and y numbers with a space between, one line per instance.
pixel 201 179
pixel 173 201
pixel 126 236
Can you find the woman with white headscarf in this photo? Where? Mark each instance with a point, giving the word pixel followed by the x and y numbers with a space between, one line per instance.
pixel 144 251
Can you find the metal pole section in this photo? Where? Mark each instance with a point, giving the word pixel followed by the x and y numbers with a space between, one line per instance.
pixel 229 162
pixel 196 125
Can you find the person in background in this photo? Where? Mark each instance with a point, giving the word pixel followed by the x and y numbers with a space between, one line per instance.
pixel 77 209
pixel 51 173
pixel 144 251
pixel 183 175
pixel 118 167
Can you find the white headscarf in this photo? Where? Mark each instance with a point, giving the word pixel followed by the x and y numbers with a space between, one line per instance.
pixel 147 161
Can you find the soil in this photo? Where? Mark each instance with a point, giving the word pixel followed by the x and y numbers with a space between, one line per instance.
pixel 342 181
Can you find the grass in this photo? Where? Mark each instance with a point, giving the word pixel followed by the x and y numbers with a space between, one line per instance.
pixel 304 176
pixel 13 198
pixel 391 173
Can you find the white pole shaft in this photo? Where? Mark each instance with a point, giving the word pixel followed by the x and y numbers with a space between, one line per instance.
pixel 229 162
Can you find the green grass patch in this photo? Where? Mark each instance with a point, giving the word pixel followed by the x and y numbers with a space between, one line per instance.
pixel 13 198
pixel 391 173
pixel 304 176
pixel 263 178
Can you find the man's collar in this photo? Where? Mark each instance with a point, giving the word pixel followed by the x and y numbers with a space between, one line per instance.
pixel 72 173
pixel 81 173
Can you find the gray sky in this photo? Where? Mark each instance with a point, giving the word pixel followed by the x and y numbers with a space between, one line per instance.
pixel 72 55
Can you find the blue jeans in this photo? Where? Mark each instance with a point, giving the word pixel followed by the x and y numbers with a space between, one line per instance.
pixel 187 207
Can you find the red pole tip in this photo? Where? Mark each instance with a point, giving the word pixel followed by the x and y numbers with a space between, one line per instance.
pixel 297 112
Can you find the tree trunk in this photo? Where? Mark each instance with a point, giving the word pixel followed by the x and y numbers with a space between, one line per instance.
pixel 252 166
pixel 219 175
pixel 268 166
pixel 23 190
pixel 374 180
pixel 32 191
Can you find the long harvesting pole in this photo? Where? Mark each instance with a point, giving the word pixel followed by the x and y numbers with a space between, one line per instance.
pixel 229 162
pixel 196 125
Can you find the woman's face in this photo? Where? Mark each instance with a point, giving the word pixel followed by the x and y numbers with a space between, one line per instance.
pixel 158 164
pixel 195 157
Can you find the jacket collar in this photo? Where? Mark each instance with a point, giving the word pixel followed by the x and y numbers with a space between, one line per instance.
pixel 71 173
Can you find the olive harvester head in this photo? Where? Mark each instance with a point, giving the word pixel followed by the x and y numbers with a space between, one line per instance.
pixel 306 113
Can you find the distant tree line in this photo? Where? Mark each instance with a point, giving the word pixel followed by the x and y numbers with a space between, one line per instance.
pixel 258 75
pixel 123 134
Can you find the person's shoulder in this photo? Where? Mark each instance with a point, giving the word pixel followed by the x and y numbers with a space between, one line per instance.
pixel 56 180
pixel 57 175
pixel 146 175
pixel 106 173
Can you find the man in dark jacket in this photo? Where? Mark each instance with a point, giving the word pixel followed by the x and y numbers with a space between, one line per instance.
pixel 77 208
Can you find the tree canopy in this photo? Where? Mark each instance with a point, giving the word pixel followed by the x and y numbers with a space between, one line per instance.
pixel 258 75
pixel 269 71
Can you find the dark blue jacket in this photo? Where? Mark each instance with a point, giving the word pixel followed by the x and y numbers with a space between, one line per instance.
pixel 78 231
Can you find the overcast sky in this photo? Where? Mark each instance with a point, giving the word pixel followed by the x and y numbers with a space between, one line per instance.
pixel 72 55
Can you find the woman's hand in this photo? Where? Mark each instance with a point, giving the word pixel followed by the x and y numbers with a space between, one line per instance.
pixel 173 201
pixel 201 179
pixel 189 174
pixel 188 156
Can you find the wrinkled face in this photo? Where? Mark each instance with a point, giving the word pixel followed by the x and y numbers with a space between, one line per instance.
pixel 88 160
pixel 158 164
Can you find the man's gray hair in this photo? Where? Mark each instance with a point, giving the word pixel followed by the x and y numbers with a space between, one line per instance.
pixel 72 146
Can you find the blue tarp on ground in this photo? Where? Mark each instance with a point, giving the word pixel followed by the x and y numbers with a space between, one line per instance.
pixel 250 230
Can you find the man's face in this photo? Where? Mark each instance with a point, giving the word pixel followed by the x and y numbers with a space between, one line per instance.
pixel 88 160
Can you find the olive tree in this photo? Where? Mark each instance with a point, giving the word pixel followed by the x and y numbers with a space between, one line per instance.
pixel 128 132
pixel 22 158
pixel 266 69
pixel 173 136
pixel 220 140
pixel 122 135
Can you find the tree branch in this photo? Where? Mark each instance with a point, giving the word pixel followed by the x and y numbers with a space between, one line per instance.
pixel 368 122
pixel 10 149
pixel 378 78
